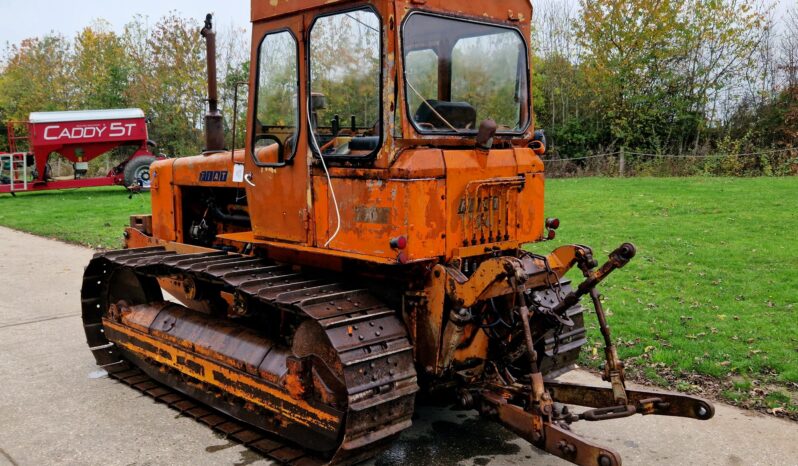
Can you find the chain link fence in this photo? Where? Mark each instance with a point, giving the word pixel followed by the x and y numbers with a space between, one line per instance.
pixel 776 162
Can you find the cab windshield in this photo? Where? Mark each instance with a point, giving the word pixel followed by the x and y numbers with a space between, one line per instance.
pixel 459 73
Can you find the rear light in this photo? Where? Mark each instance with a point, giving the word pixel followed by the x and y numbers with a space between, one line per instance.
pixel 553 223
pixel 400 242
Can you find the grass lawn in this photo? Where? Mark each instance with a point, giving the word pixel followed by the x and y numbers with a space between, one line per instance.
pixel 92 217
pixel 708 304
pixel 714 287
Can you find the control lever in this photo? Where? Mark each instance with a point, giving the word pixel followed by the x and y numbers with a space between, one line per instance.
pixel 618 259
pixel 613 369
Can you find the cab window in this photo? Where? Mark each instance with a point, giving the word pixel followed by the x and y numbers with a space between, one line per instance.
pixel 422 65
pixel 459 73
pixel 345 84
pixel 277 110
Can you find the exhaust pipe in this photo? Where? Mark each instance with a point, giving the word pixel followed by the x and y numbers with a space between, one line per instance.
pixel 214 123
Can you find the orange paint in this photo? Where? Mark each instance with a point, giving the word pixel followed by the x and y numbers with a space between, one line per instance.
pixel 300 411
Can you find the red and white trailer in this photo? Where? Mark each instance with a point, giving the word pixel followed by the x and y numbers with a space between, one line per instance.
pixel 78 136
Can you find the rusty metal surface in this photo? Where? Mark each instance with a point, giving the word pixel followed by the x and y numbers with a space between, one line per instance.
pixel 554 439
pixel 437 340
pixel 511 11
pixel 368 349
pixel 563 443
pixel 654 402
pixel 535 409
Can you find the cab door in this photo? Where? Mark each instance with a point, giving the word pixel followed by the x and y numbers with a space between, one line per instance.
pixel 276 166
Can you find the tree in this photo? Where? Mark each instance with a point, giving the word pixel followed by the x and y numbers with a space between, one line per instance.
pixel 101 68
pixel 661 68
pixel 234 69
pixel 36 77
pixel 168 80
pixel 722 40
pixel 789 49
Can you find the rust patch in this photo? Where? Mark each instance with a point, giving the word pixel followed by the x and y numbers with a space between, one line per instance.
pixel 237 383
pixel 190 365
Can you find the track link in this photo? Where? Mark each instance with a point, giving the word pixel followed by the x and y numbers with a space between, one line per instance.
pixel 268 445
pixel 369 339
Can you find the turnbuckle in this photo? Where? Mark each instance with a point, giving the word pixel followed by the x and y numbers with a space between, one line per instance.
pixel 644 407
pixel 611 412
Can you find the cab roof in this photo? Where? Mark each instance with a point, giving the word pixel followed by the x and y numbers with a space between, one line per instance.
pixel 265 9
pixel 516 10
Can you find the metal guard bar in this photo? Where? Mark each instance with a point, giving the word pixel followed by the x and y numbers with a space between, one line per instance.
pixel 644 402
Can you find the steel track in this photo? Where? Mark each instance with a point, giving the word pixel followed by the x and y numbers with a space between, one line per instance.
pixel 369 339
pixel 262 442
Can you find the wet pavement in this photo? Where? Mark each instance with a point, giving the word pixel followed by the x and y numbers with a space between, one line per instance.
pixel 56 408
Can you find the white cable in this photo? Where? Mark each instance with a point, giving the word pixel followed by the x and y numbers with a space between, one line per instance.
pixel 329 178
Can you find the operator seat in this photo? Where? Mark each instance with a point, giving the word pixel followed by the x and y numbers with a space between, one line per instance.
pixel 461 115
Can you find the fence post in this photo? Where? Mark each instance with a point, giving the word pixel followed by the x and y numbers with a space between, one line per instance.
pixel 622 162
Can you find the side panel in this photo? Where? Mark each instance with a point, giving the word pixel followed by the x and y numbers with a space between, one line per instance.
pixel 163 194
pixel 483 199
pixel 493 197
pixel 531 201
pixel 280 201
pixel 170 176
pixel 531 215
pixel 213 171
pixel 375 211
pixel 83 141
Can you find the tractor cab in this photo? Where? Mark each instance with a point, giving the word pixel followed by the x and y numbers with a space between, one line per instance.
pixel 362 75
pixel 371 124
pixel 356 109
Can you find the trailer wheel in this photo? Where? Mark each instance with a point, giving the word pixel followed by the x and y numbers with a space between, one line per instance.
pixel 137 171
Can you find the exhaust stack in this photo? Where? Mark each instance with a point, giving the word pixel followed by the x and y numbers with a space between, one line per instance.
pixel 214 123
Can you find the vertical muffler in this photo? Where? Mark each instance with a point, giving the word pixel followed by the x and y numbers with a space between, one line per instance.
pixel 214 122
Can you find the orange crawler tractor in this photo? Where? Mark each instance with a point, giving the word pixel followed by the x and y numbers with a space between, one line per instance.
pixel 366 246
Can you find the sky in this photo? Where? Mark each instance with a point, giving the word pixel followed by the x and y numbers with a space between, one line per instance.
pixel 35 18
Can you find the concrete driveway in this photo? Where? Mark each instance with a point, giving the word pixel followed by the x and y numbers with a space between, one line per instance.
pixel 56 408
